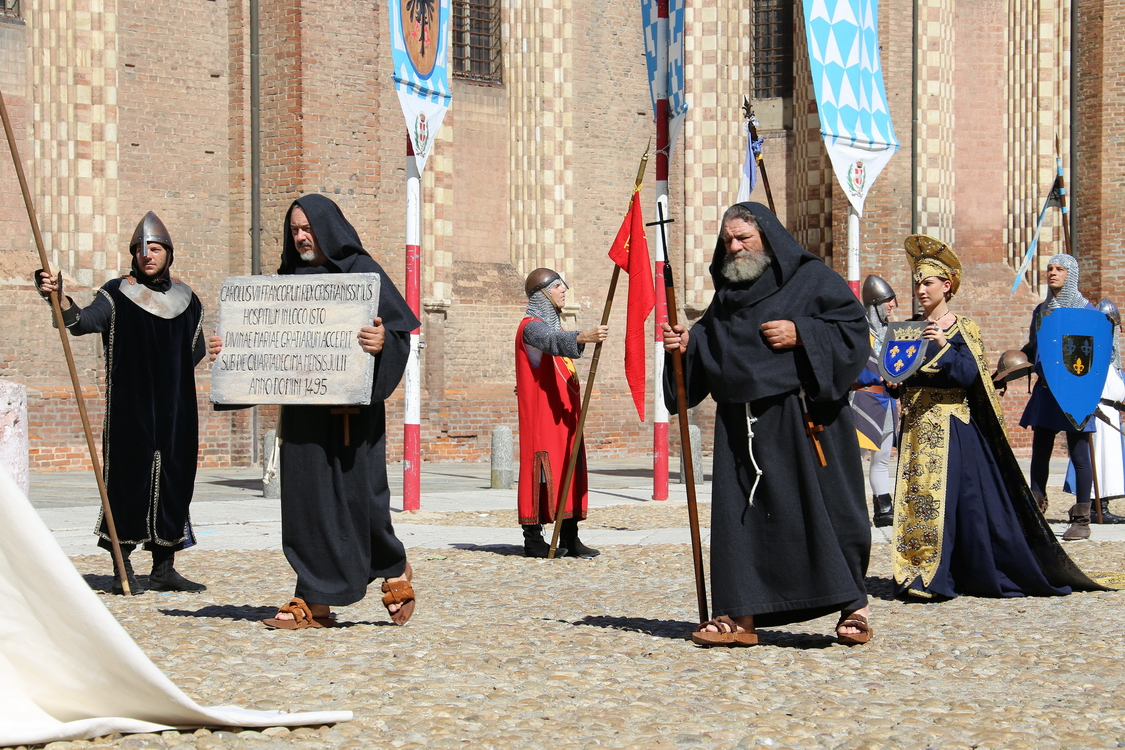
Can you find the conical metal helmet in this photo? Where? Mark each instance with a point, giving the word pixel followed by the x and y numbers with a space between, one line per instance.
pixel 541 278
pixel 149 229
pixel 876 291
pixel 1110 311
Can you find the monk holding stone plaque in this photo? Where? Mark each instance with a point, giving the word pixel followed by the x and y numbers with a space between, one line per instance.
pixel 296 347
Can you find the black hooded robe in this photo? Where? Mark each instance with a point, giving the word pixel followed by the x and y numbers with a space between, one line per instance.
pixel 800 551
pixel 150 434
pixel 336 527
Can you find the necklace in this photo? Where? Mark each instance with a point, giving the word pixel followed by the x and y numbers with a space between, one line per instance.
pixel 937 321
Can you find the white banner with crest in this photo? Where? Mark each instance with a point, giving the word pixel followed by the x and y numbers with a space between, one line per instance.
pixel 847 74
pixel 420 51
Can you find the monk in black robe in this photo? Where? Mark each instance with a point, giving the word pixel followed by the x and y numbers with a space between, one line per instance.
pixel 336 527
pixel 782 342
pixel 151 326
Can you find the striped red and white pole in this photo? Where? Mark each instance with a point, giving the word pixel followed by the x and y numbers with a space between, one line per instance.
pixel 411 429
pixel 660 411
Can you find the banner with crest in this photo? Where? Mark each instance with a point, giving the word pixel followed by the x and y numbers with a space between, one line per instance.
pixel 847 75
pixel 420 51
pixel 677 103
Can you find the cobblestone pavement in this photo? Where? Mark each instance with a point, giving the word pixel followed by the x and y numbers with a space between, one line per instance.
pixel 508 652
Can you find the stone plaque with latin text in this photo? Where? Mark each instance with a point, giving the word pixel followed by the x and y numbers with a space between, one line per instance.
pixel 294 339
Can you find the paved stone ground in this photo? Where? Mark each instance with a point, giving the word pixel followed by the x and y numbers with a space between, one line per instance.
pixel 507 652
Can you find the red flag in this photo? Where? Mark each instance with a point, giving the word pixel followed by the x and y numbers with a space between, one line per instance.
pixel 630 252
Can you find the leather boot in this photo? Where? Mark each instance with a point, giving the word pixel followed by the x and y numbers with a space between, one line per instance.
pixel 134 587
pixel 569 538
pixel 884 510
pixel 1079 522
pixel 1040 500
pixel 164 576
pixel 1107 517
pixel 534 545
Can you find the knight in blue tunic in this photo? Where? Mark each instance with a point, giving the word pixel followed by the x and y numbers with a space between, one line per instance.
pixel 1043 414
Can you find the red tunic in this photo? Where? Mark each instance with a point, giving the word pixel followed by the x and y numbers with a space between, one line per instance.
pixel 549 404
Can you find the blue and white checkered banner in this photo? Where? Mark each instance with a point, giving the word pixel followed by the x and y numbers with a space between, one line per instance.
pixel 677 104
pixel 847 75
pixel 420 52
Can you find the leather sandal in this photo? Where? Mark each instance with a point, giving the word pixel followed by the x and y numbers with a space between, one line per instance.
pixel 728 634
pixel 302 617
pixel 858 621
pixel 402 594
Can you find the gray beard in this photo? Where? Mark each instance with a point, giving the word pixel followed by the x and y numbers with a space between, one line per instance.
pixel 745 266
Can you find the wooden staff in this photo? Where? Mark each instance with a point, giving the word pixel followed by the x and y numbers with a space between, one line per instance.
pixel 685 434
pixel 54 297
pixel 576 447
pixel 748 111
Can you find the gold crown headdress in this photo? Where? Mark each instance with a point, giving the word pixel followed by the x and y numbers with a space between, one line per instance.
pixel 930 256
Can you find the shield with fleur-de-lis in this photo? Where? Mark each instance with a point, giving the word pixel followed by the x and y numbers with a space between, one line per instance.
pixel 1075 346
pixel 904 350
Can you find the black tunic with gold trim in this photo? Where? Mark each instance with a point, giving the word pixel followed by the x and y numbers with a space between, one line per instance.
pixel 152 333
pixel 965 520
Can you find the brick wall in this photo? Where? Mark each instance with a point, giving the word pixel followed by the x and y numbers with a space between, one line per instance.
pixel 533 172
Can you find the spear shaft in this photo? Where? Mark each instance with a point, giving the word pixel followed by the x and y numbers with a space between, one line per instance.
pixel 758 159
pixel 685 433
pixel 64 337
pixel 576 447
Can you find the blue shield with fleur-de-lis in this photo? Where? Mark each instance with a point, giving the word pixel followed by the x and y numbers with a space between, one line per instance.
pixel 1075 346
pixel 903 350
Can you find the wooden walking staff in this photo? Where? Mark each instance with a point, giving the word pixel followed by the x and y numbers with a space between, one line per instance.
pixel 576 446
pixel 685 431
pixel 64 337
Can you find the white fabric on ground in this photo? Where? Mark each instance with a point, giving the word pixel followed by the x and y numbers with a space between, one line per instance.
pixel 68 670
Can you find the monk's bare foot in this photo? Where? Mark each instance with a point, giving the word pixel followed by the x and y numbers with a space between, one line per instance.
pixel 847 629
pixel 399 600
pixel 744 624
pixel 318 610
pixel 853 627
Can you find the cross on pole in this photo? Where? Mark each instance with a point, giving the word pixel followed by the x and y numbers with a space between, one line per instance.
pixel 661 222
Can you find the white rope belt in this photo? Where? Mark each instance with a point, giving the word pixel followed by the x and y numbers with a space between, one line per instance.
pixel 750 420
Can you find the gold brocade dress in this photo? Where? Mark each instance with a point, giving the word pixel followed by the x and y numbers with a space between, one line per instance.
pixel 965 522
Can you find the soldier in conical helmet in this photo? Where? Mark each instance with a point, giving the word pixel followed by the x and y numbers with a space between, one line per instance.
pixel 876 413
pixel 549 406
pixel 151 326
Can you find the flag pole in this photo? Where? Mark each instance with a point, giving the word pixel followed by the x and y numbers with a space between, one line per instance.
pixel 576 446
pixel 115 546
pixel 412 411
pixel 685 444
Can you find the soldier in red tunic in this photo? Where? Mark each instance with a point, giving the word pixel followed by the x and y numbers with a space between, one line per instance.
pixel 549 405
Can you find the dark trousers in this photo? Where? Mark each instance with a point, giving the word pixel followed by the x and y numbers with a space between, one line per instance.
pixel 1078 445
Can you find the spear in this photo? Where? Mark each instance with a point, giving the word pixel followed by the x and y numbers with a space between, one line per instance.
pixel 685 429
pixel 576 447
pixel 1062 195
pixel 54 297
pixel 752 124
